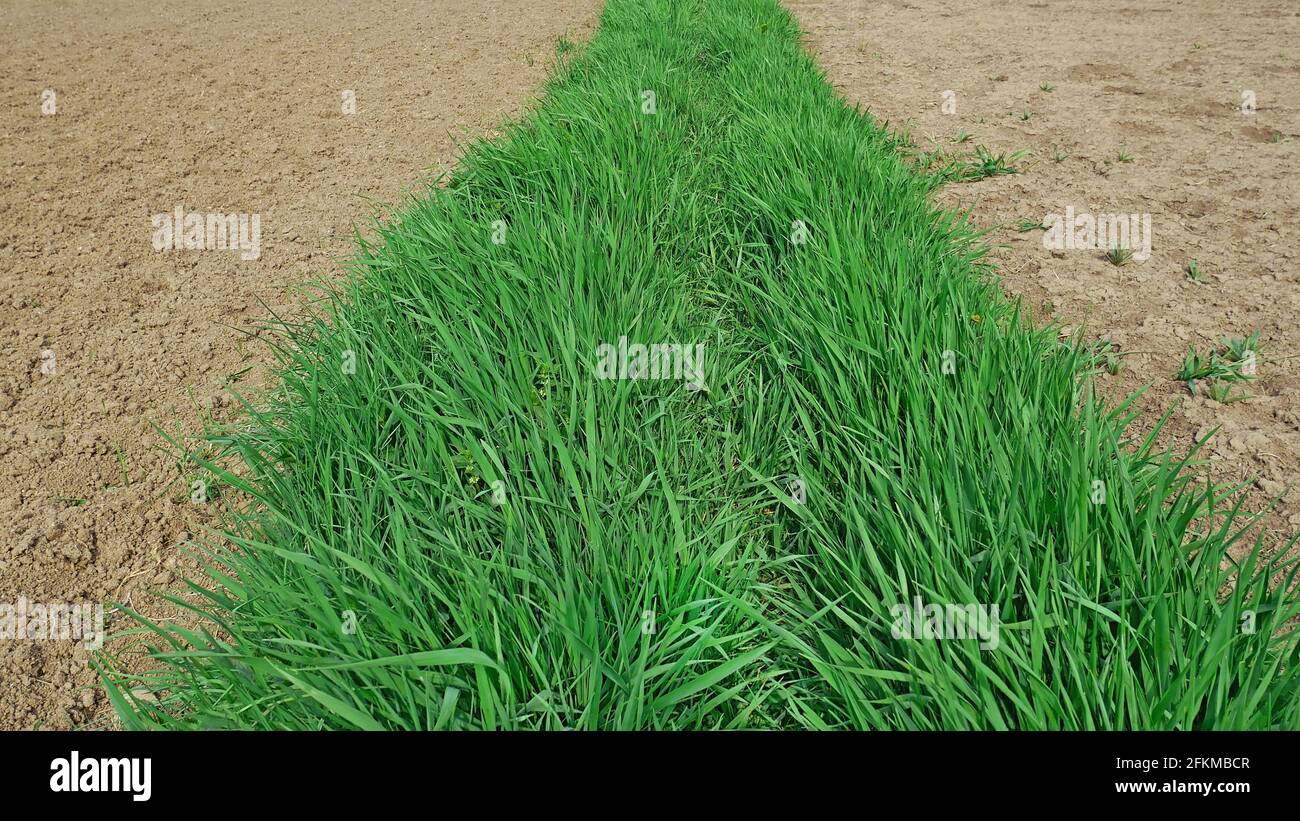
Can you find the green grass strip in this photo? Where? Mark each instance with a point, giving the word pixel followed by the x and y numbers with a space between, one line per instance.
pixel 456 524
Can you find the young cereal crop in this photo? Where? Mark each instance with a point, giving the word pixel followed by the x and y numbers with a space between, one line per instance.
pixel 875 496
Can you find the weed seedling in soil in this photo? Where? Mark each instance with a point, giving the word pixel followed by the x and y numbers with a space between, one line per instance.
pixel 1235 362
pixel 1106 354
pixel 984 163
pixel 1242 348
pixel 1221 392
pixel 1118 256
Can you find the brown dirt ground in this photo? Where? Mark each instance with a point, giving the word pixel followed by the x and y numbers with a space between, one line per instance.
pixel 1161 82
pixel 226 107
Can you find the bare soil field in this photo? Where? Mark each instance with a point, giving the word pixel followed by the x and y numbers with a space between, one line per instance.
pixel 304 115
pixel 1184 111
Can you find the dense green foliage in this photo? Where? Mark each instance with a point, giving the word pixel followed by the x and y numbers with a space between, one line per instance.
pixel 524 545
